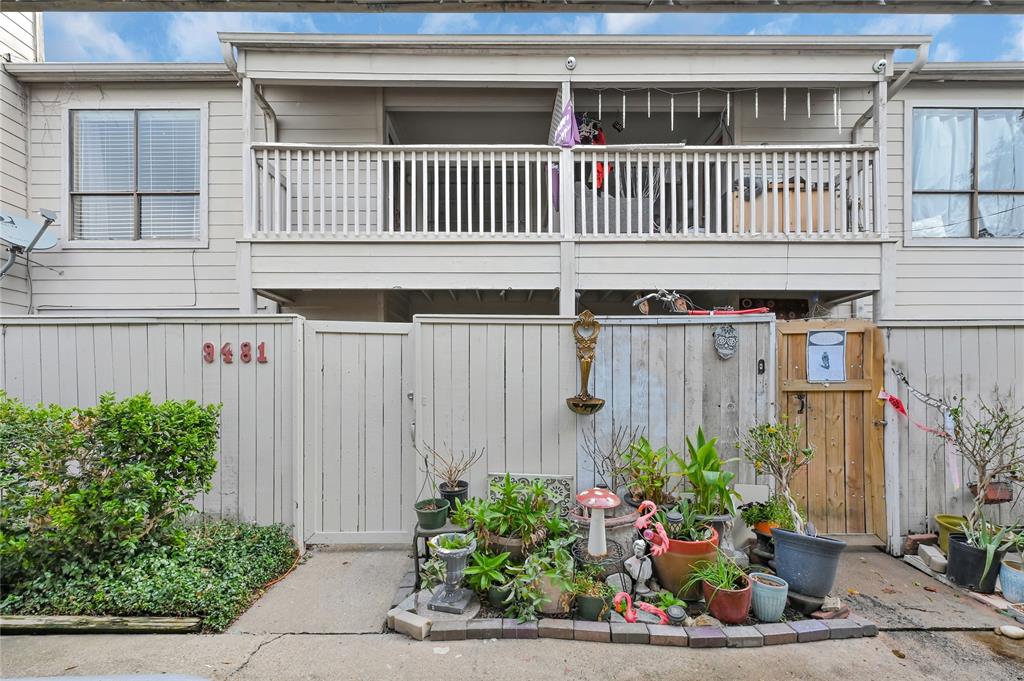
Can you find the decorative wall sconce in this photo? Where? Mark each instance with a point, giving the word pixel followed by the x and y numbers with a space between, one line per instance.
pixel 586 345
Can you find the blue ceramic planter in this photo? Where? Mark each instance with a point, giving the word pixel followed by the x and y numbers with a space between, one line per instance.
pixel 808 564
pixel 1011 579
pixel 769 600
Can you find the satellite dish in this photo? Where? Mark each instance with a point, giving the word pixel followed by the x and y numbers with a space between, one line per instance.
pixel 24 235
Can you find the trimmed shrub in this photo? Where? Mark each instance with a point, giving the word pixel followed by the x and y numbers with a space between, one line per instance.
pixel 86 486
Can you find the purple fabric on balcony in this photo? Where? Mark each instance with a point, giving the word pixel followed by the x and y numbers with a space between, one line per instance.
pixel 567 134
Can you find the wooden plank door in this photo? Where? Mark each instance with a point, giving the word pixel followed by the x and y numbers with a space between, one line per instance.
pixel 842 490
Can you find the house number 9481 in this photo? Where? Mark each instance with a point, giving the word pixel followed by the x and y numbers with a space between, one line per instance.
pixel 227 355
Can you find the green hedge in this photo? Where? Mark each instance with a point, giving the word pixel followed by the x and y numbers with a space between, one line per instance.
pixel 92 509
pixel 215 575
pixel 83 485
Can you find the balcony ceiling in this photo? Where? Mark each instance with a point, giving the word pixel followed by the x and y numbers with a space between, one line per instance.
pixel 724 6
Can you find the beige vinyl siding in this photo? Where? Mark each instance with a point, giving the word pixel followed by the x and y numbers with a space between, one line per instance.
pixel 201 278
pixel 18 42
pixel 327 115
pixel 945 281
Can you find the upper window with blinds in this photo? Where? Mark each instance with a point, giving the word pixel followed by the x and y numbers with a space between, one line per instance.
pixel 135 175
pixel 968 173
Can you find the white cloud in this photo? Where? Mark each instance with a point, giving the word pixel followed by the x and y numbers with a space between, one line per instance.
pixel 631 23
pixel 73 36
pixel 944 51
pixel 907 24
pixel 780 26
pixel 449 23
pixel 1016 41
pixel 192 36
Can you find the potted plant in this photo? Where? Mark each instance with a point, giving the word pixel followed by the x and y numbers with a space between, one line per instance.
pixel 449 468
pixel 990 438
pixel 551 566
pixel 432 512
pixel 711 485
pixel 1011 573
pixel 726 588
pixel 807 562
pixel 648 475
pixel 768 596
pixel 452 548
pixel 974 552
pixel 489 575
pixel 513 520
pixel 765 516
pixel 689 541
pixel 591 594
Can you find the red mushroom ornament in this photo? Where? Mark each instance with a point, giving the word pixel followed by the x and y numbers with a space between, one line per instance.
pixel 598 500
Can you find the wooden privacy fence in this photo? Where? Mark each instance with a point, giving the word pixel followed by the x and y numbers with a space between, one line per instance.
pixel 318 422
pixel 72 361
pixel 500 383
pixel 973 361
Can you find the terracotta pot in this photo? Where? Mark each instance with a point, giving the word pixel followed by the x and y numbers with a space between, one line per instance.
pixel 730 606
pixel 765 527
pixel 514 545
pixel 998 491
pixel 674 567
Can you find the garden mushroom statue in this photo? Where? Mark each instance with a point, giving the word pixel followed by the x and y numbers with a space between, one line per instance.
pixel 598 500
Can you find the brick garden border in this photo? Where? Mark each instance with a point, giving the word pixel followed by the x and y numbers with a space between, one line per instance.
pixel 801 631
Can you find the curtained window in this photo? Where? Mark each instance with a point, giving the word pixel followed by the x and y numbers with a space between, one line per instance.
pixel 135 175
pixel 968 170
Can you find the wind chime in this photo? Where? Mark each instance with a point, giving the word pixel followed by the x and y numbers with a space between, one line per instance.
pixel 620 125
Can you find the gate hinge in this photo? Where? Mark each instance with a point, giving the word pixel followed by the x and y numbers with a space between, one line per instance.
pixel 880 422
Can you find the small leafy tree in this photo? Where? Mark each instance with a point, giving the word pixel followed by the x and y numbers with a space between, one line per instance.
pixel 774 449
pixel 82 485
pixel 990 438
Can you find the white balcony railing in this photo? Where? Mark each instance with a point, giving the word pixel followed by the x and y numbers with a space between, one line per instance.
pixel 739 190
pixel 625 192
pixel 339 191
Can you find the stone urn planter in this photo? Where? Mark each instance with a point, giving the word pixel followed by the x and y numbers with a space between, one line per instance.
pixel 723 525
pixel 450 597
pixel 673 568
pixel 1011 580
pixel 808 564
pixel 729 606
pixel 966 565
pixel 768 596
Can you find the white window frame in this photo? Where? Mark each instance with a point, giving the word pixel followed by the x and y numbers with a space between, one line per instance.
pixel 943 100
pixel 69 242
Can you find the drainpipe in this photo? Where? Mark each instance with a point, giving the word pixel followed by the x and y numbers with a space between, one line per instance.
pixel 904 79
pixel 228 53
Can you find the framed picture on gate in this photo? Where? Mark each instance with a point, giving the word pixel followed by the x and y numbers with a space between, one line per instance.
pixel 826 356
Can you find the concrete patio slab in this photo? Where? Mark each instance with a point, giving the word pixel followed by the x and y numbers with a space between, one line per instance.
pixel 892 594
pixel 335 591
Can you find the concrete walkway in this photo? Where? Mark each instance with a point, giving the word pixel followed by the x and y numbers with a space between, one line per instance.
pixel 331 592
pixel 324 622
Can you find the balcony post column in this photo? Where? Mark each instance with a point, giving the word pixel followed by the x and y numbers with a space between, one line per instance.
pixel 243 261
pixel 567 213
pixel 883 300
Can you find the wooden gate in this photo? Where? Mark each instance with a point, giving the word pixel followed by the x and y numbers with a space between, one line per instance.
pixel 842 490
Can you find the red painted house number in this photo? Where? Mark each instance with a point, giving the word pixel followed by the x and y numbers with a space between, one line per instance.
pixel 227 355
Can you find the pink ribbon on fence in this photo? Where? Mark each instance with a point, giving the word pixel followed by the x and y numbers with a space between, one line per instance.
pixel 944 432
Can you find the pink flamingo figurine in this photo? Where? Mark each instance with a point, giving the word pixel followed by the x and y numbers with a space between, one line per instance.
pixel 655 535
pixel 642 522
pixel 629 614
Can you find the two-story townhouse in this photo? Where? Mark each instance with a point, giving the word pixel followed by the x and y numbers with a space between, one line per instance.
pixel 378 178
